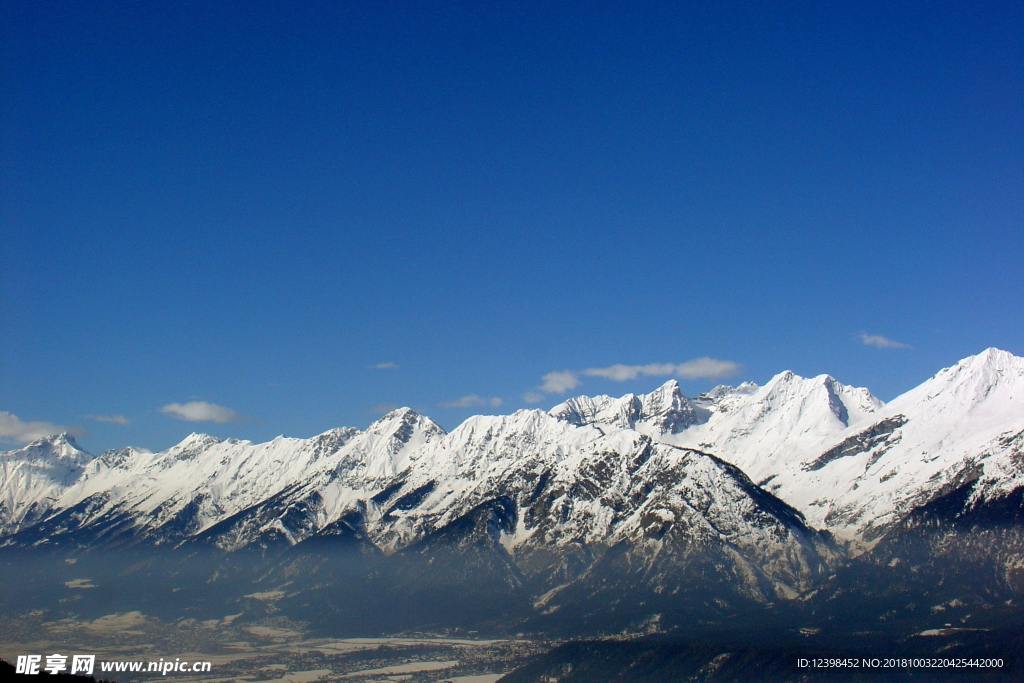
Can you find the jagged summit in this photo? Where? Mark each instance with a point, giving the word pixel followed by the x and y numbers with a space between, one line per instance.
pixel 783 377
pixel 669 387
pixel 60 446
pixel 404 419
pixel 400 413
pixel 664 409
pixel 197 439
pixel 834 451
pixel 723 390
pixel 771 428
pixel 961 427
pixel 788 382
pixel 193 446
pixel 57 439
pixel 33 476
pixel 62 438
pixel 714 503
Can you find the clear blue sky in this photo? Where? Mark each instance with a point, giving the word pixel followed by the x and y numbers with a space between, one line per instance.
pixel 251 204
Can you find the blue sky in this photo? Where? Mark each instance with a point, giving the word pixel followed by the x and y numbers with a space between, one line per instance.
pixel 253 205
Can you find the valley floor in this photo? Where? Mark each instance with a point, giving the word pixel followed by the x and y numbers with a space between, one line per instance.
pixel 270 650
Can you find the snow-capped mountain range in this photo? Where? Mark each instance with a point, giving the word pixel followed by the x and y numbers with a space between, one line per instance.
pixel 849 462
pixel 754 472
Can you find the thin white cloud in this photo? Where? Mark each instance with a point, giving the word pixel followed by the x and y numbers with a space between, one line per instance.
pixel 13 428
pixel 384 408
pixel 621 373
pixel 385 365
pixel 473 401
pixel 880 342
pixel 706 368
pixel 110 419
pixel 697 368
pixel 199 411
pixel 559 382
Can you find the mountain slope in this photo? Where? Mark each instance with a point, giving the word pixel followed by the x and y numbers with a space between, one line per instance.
pixel 850 463
pixel 965 425
pixel 763 430
pixel 34 478
pixel 616 511
pixel 167 497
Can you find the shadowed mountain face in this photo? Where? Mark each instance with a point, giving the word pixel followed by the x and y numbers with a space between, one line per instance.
pixel 630 520
pixel 601 515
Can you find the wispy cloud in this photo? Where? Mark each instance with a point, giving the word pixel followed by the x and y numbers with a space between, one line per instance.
pixel 880 342
pixel 384 408
pixel 110 419
pixel 199 411
pixel 473 401
pixel 385 365
pixel 697 368
pixel 559 381
pixel 13 428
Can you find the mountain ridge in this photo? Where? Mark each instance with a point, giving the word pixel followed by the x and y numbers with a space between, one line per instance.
pixel 795 435
pixel 630 512
pixel 814 442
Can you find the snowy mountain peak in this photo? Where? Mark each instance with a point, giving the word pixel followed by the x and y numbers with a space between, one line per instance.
pixel 787 378
pixel 404 417
pixel 832 450
pixel 665 409
pixel 192 445
pixel 120 457
pixel 789 381
pixel 784 376
pixel 957 427
pixel 33 476
pixel 991 360
pixel 396 414
pixel 57 440
pixel 62 447
pixel 770 429
pixel 722 390
pixel 994 355
pixel 397 431
pixel 64 438
pixel 792 392
pixel 196 438
pixel 671 387
pixel 990 378
pixel 336 434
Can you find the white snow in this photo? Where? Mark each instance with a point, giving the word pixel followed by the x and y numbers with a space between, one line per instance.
pixel 966 422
